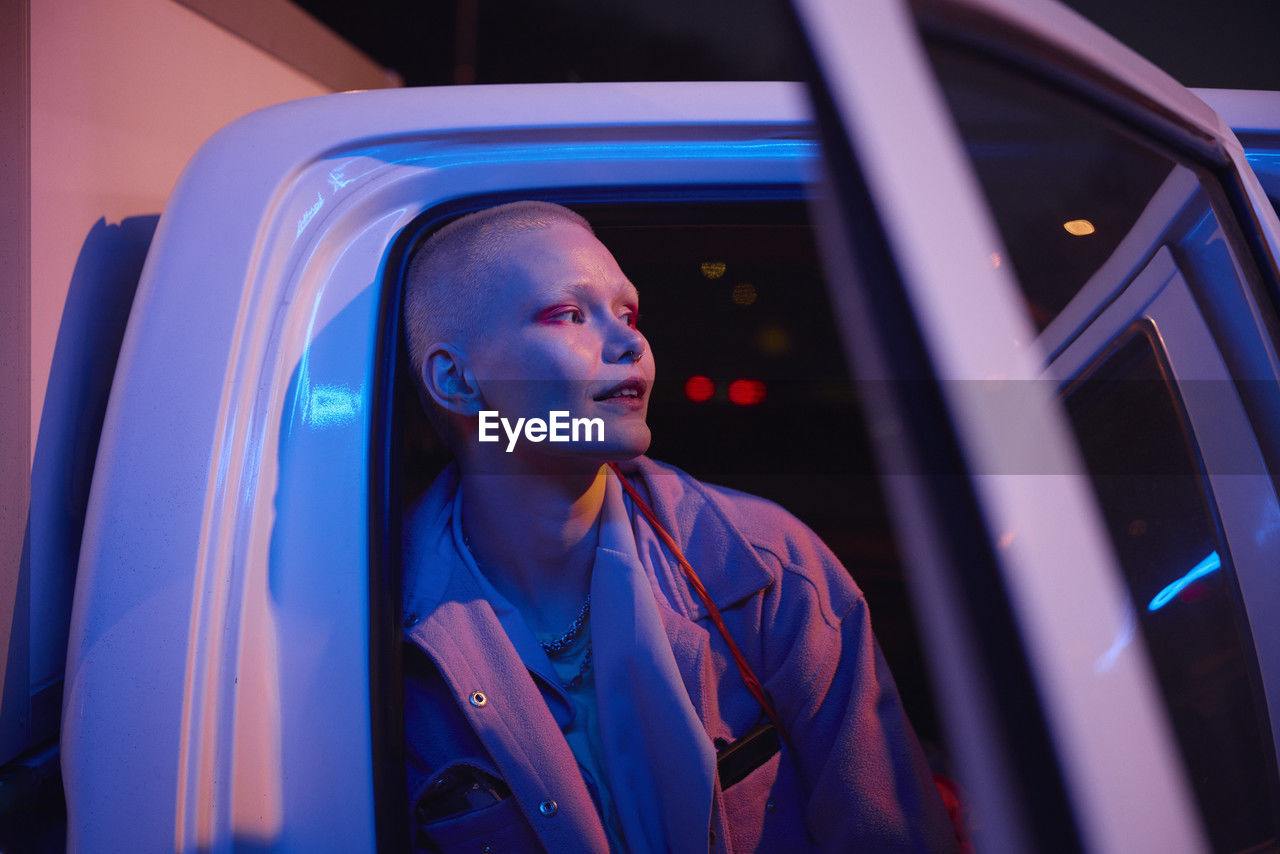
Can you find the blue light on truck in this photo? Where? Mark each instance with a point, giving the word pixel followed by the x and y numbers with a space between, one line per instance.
pixel 1203 568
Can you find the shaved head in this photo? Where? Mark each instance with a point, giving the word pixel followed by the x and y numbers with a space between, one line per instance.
pixel 449 278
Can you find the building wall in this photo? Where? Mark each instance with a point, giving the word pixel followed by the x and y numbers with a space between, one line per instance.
pixel 122 94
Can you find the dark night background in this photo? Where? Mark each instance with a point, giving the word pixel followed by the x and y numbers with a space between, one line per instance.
pixel 1230 44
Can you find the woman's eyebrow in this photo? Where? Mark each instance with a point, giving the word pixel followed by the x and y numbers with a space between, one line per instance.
pixel 628 290
pixel 579 288
pixel 556 291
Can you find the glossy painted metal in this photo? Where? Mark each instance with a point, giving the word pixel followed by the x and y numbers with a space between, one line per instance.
pixel 1245 111
pixel 1255 118
pixel 217 683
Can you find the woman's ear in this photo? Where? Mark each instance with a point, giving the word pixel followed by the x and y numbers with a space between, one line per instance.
pixel 449 381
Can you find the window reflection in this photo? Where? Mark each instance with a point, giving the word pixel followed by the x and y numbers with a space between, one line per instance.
pixel 1083 204
pixel 1153 495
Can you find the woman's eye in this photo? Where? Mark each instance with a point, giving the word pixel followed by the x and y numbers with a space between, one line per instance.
pixel 632 318
pixel 564 315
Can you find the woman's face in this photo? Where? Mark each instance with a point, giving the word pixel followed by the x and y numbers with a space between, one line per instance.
pixel 560 334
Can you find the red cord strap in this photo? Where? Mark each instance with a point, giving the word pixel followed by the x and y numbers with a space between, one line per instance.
pixel 749 677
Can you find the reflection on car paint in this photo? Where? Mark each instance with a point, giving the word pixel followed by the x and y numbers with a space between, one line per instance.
pixel 1203 568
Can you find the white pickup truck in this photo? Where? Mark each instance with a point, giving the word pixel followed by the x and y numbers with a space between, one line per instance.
pixel 1053 273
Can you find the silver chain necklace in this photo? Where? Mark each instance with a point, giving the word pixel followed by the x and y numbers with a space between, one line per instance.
pixel 558 646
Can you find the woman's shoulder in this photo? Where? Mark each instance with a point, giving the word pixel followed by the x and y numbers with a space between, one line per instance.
pixel 763 523
pixel 722 526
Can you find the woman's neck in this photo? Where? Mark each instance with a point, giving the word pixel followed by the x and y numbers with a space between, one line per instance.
pixel 534 538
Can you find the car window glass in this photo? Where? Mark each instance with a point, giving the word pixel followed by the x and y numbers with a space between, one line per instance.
pixel 1065 188
pixel 1081 205
pixel 1153 494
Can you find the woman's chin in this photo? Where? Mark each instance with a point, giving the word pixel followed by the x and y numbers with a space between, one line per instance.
pixel 617 449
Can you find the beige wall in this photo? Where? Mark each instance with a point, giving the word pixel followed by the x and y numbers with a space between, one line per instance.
pixel 122 94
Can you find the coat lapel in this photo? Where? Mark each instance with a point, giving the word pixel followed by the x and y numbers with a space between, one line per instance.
pixel 469 645
pixel 717 550
pixel 649 658
pixel 472 651
pixel 658 759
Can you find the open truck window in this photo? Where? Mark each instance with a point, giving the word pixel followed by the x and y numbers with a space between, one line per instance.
pixel 752 388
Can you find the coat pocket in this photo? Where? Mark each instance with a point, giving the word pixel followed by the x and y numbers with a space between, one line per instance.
pixel 500 827
pixel 765 808
pixel 747 754
pixel 468 808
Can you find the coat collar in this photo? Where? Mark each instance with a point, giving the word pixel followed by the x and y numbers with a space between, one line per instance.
pixel 439 569
pixel 700 519
pixel 712 535
pixel 428 556
pixel 647 717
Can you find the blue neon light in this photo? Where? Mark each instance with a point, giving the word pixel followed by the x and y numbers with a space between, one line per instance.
pixel 1203 568
pixel 788 149
pixel 333 405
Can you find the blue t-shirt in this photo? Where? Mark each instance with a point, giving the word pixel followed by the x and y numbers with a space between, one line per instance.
pixel 583 732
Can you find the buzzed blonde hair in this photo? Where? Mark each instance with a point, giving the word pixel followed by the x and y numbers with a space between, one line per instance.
pixel 446 283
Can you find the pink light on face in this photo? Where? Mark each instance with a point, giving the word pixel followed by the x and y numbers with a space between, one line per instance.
pixel 746 392
pixel 699 389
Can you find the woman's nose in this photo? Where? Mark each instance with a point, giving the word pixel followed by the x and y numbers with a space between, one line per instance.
pixel 629 344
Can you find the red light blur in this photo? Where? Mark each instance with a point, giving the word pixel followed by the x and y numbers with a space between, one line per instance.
pixel 746 392
pixel 699 389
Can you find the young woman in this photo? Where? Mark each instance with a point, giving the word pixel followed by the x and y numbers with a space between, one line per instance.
pixel 605 653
